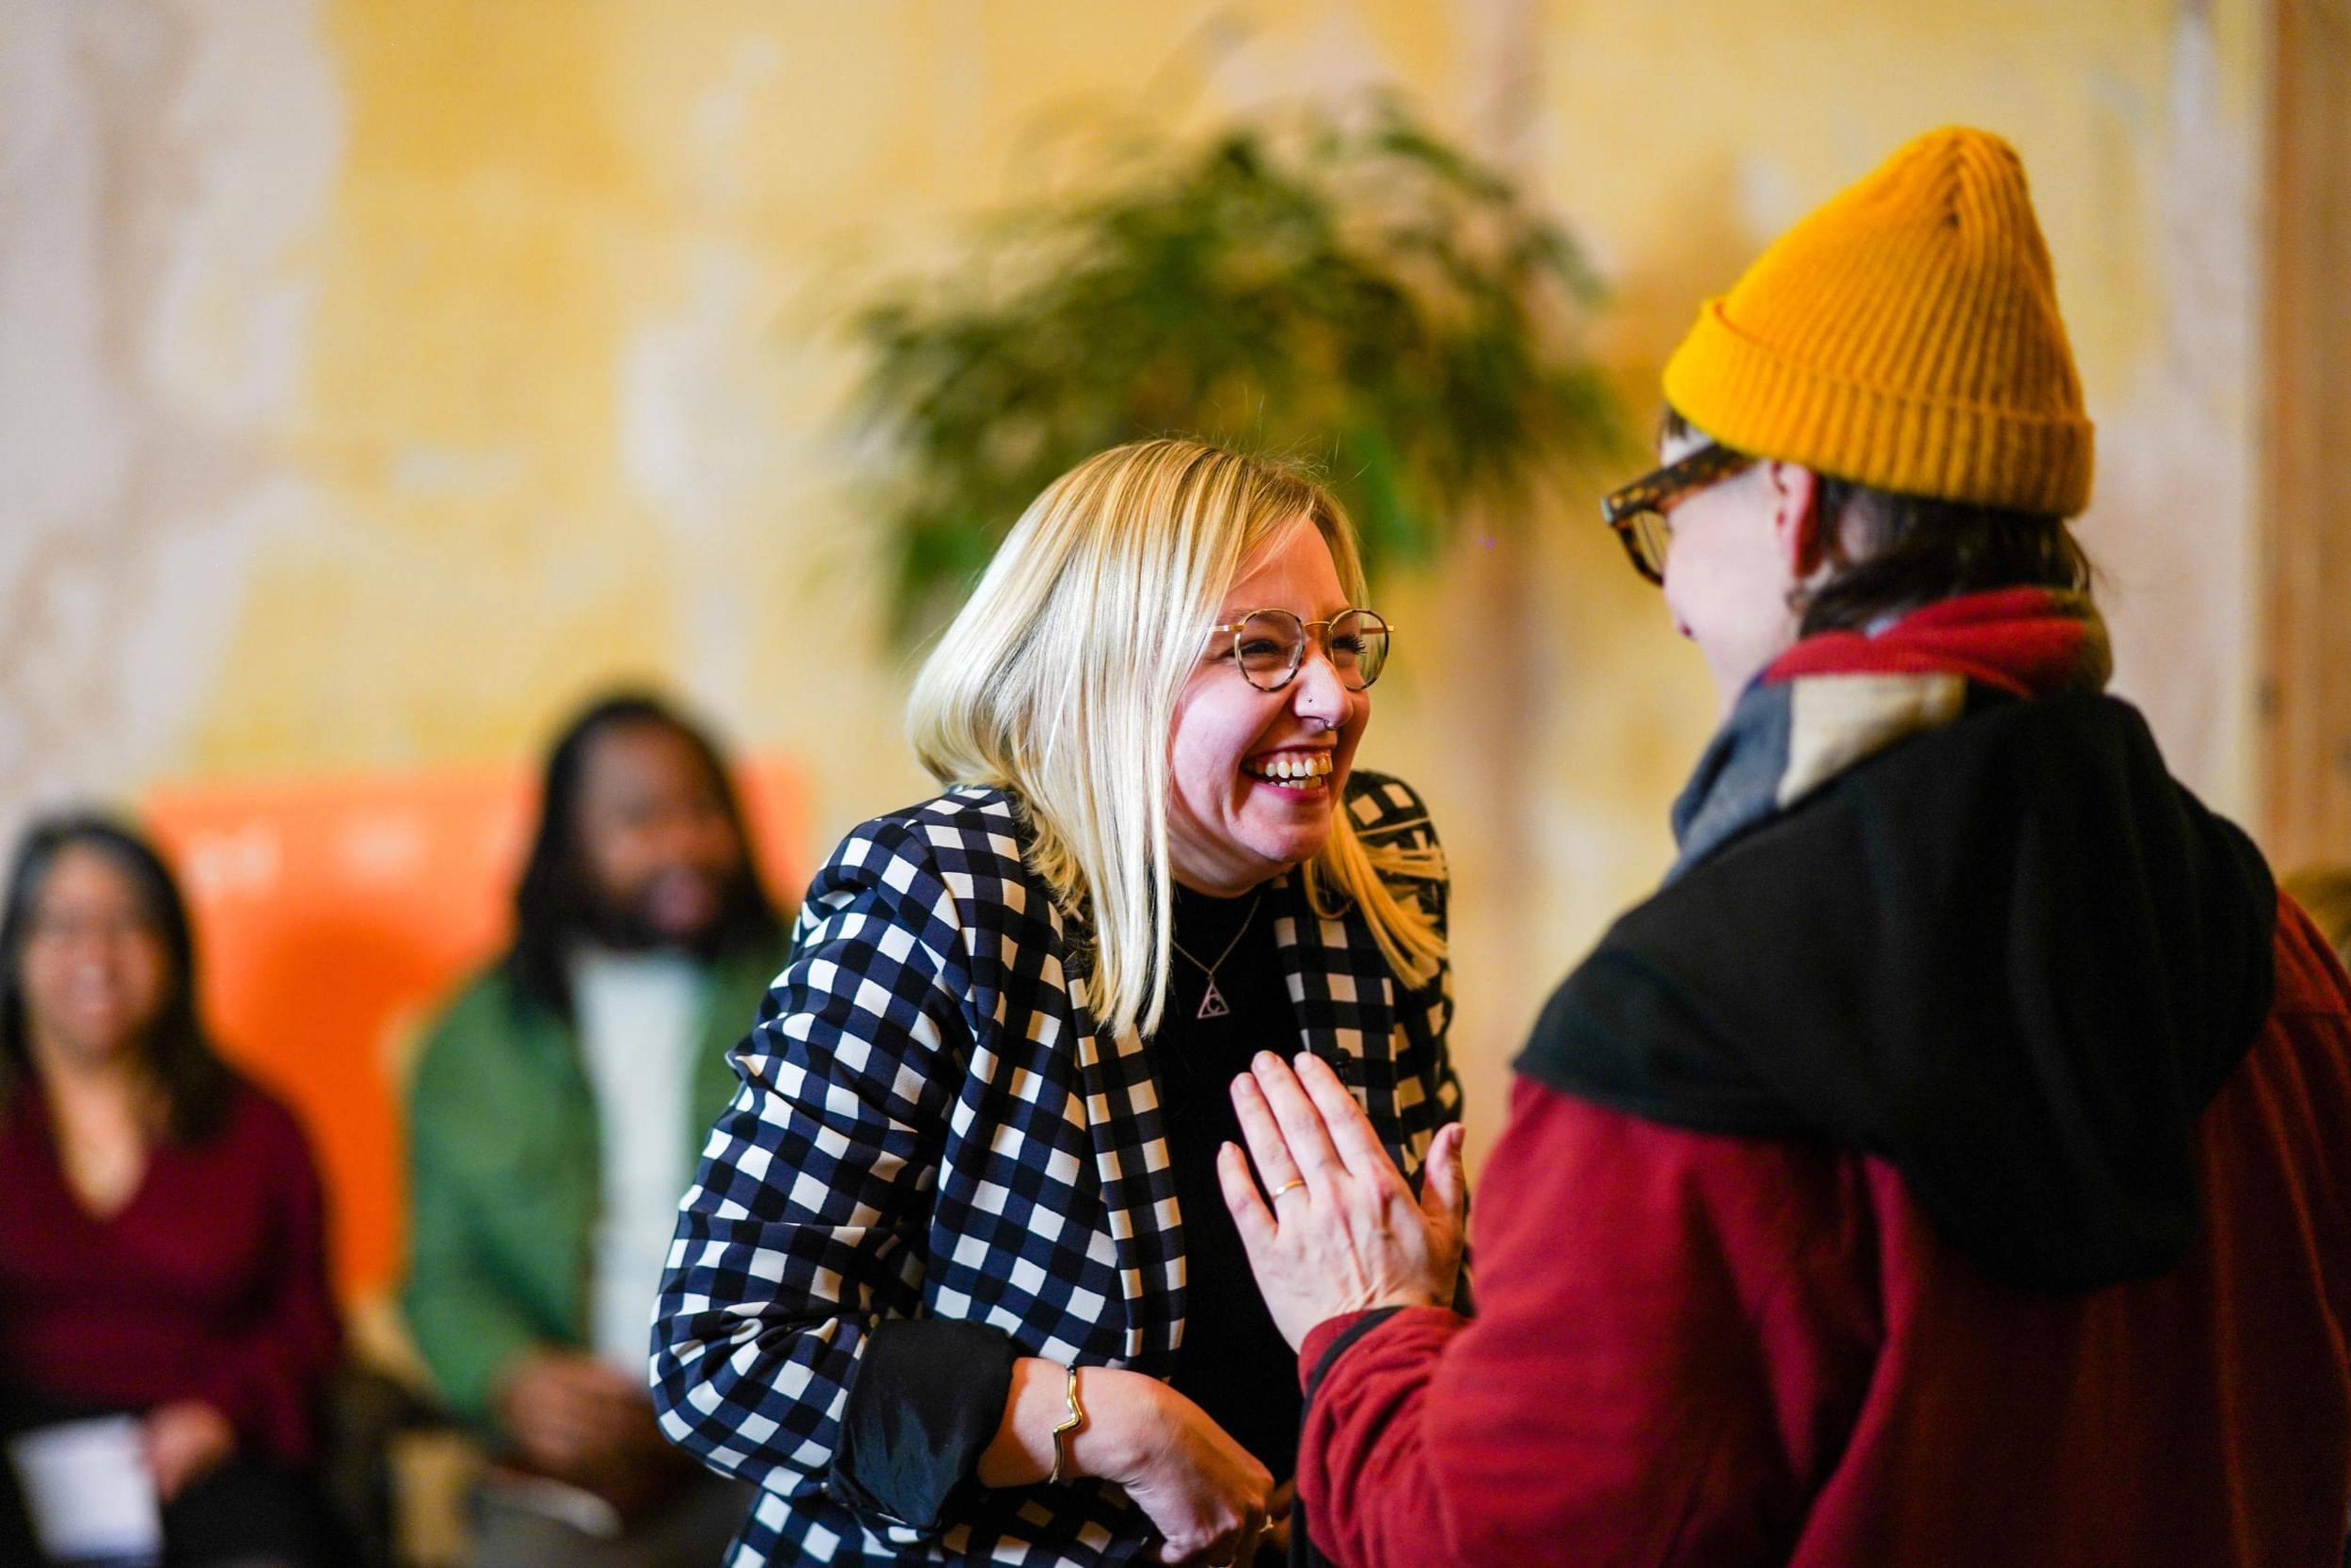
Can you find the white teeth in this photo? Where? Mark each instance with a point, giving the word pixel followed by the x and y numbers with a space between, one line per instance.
pixel 1294 767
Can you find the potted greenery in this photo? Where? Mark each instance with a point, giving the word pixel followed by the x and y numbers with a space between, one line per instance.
pixel 1352 291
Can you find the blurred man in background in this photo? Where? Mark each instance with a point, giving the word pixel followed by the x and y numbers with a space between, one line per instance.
pixel 555 1119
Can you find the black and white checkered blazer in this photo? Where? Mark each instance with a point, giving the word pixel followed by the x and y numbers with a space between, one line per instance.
pixel 931 1125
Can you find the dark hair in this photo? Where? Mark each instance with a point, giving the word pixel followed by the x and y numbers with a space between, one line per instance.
pixel 1893 553
pixel 556 899
pixel 195 1084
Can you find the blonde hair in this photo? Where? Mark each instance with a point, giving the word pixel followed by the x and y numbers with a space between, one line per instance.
pixel 1060 682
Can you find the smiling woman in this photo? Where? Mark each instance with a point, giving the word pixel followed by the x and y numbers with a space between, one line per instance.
pixel 162 1247
pixel 955 1278
pixel 1255 759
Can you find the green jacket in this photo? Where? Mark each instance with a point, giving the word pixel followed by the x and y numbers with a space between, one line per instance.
pixel 505 1173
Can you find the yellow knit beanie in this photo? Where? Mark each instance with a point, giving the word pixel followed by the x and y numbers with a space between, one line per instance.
pixel 1903 336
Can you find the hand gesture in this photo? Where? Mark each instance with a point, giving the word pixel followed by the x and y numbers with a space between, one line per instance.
pixel 1342 1231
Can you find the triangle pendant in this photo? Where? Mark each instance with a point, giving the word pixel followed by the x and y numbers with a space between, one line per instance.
pixel 1212 1005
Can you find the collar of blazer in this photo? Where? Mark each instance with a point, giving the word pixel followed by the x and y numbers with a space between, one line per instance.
pixel 1343 1000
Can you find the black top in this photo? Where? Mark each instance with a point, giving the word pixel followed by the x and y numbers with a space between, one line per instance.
pixel 1076 1253
pixel 1233 1364
pixel 930 1394
pixel 2013 956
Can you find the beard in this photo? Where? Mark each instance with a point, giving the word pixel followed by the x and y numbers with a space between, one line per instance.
pixel 648 919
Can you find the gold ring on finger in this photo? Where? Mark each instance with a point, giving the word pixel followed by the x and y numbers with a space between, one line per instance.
pixel 1291 1184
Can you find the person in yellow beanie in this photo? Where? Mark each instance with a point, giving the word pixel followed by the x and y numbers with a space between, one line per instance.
pixel 1946 1164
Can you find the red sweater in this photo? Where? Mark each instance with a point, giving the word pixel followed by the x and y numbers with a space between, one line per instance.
pixel 1705 1350
pixel 210 1284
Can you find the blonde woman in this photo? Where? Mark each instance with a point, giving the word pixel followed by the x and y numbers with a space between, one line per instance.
pixel 956 1283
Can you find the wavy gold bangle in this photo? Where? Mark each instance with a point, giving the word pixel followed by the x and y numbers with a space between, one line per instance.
pixel 1071 1423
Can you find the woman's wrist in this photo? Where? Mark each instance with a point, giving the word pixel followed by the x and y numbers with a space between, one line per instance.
pixel 1122 1423
pixel 1112 1442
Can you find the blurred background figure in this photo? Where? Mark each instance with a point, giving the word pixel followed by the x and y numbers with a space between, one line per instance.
pixel 162 1241
pixel 555 1118
pixel 2325 893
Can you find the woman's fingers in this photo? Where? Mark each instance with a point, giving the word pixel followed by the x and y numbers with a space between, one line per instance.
pixel 1269 1145
pixel 1443 1186
pixel 1251 1216
pixel 1350 1131
pixel 1235 1548
pixel 1302 1131
pixel 1278 1510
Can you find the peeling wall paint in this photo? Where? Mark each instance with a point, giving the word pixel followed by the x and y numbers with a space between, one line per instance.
pixel 162 169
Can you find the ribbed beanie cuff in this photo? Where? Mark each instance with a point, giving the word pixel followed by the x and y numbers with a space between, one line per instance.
pixel 1904 336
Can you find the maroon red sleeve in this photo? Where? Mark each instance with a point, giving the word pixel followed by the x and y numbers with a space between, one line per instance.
pixel 269 1385
pixel 1674 1334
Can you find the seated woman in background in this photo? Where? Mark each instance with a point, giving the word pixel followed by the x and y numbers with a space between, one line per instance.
pixel 162 1241
pixel 956 1282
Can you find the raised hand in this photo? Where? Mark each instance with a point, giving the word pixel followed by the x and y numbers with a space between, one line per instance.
pixel 1342 1231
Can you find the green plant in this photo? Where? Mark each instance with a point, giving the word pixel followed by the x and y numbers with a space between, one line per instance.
pixel 1359 294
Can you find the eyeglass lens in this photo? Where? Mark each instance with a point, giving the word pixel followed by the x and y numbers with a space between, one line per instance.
pixel 1651 537
pixel 1271 645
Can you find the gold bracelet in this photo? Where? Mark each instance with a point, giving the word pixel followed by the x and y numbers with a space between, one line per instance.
pixel 1075 1419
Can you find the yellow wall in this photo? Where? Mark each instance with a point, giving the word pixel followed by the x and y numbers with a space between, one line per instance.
pixel 377 378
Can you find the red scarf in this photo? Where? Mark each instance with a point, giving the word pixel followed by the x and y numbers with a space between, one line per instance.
pixel 2029 642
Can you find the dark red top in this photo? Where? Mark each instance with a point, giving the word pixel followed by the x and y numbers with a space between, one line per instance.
pixel 211 1283
pixel 1731 1352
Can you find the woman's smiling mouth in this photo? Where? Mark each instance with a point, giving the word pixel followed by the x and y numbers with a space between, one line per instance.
pixel 1300 771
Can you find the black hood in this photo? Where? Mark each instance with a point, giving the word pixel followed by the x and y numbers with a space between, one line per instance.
pixel 2013 956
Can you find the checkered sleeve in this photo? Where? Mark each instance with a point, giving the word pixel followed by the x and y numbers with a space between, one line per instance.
pixel 1390 815
pixel 1445 1084
pixel 805 1225
pixel 1434 1003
